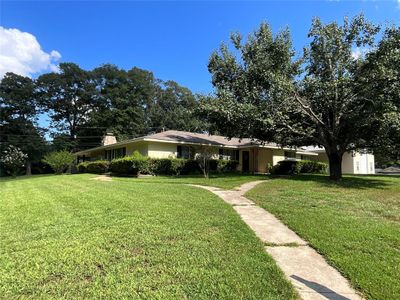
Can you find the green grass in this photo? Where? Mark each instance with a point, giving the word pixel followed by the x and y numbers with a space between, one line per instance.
pixel 73 237
pixel 355 223
pixel 224 181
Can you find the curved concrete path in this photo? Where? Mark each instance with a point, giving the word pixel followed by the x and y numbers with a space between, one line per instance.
pixel 308 271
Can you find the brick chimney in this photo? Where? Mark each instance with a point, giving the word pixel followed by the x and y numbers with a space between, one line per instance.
pixel 109 139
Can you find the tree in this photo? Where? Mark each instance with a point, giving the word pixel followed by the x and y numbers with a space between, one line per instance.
pixel 203 156
pixel 127 96
pixel 13 160
pixel 59 161
pixel 136 103
pixel 381 76
pixel 69 97
pixel 19 113
pixel 174 107
pixel 264 93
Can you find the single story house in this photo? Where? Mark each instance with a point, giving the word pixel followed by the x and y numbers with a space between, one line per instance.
pixel 252 155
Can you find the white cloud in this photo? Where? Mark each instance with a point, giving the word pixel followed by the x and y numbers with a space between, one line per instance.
pixel 21 53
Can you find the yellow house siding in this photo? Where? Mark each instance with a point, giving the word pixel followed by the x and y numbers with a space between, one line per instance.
pixel 278 155
pixel 141 147
pixel 161 150
pixel 322 157
pixel 265 157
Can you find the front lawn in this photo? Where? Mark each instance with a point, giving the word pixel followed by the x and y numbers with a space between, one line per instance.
pixel 355 223
pixel 74 237
pixel 224 181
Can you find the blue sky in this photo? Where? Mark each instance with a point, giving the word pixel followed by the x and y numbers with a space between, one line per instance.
pixel 172 39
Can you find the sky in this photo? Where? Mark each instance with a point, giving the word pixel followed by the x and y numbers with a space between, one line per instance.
pixel 172 39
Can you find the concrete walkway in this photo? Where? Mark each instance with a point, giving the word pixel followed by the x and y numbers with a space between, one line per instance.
pixel 308 271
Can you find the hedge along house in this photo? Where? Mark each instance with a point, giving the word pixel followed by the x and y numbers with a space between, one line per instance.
pixel 251 155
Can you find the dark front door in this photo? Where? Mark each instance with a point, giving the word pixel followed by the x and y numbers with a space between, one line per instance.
pixel 245 161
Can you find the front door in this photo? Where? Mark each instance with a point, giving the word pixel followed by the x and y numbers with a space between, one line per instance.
pixel 245 161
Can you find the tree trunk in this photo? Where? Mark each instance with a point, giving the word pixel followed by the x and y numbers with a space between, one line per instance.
pixel 28 168
pixel 335 165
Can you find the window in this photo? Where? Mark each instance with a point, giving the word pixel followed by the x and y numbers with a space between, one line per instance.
pixel 290 154
pixel 184 152
pixel 228 154
pixel 115 153
pixel 357 166
pixel 307 157
pixel 371 166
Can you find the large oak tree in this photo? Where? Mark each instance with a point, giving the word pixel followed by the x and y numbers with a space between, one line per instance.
pixel 319 99
pixel 69 97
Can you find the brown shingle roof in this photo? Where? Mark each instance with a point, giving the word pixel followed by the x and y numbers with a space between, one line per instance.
pixel 188 138
pixel 200 138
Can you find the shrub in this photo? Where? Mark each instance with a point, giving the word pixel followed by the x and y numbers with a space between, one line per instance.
pixel 178 166
pixel 13 160
pixel 284 167
pixel 166 166
pixel 160 166
pixel 41 168
pixel 123 166
pixel 82 167
pixel 59 161
pixel 96 167
pixel 309 166
pixel 291 167
pixel 190 167
pixel 130 165
pixel 224 166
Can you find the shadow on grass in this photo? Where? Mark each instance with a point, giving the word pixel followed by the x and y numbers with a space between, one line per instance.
pixel 24 177
pixel 348 181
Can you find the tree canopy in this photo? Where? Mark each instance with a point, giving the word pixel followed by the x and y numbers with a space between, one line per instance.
pixel 321 98
pixel 83 105
pixel 19 112
pixel 381 73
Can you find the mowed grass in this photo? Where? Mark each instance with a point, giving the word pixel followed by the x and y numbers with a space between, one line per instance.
pixel 355 223
pixel 73 237
pixel 224 181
